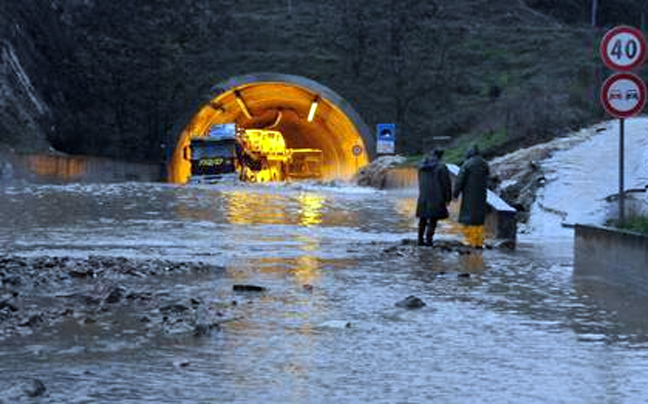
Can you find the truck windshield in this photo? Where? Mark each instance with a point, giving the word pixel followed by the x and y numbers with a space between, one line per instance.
pixel 201 149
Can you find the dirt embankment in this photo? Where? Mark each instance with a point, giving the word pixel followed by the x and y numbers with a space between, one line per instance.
pixel 517 176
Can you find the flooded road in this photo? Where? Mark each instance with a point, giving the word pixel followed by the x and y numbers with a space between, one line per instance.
pixel 499 325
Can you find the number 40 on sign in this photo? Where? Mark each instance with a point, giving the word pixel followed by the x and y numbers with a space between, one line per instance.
pixel 623 48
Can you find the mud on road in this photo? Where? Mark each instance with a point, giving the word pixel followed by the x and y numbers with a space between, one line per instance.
pixel 36 293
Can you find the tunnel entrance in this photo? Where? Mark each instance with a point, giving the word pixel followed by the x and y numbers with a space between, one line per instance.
pixel 312 120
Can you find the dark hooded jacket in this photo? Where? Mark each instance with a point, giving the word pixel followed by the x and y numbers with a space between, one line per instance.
pixel 435 191
pixel 472 183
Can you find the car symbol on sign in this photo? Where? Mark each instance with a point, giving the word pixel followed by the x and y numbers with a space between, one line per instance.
pixel 616 95
pixel 632 95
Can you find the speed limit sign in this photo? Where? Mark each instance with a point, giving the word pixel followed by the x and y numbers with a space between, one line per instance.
pixel 623 48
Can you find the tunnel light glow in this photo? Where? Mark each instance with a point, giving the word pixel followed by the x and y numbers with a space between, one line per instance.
pixel 321 149
pixel 242 105
pixel 313 109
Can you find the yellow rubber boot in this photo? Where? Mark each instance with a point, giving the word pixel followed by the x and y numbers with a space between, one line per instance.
pixel 474 236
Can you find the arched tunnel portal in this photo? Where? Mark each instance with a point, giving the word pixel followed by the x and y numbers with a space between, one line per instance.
pixel 308 114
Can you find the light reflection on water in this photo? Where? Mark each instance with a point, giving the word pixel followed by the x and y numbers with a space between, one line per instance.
pixel 517 329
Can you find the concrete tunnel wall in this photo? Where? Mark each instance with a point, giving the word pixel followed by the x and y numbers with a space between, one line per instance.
pixel 282 102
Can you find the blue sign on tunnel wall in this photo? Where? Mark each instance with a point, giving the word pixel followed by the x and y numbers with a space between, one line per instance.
pixel 385 138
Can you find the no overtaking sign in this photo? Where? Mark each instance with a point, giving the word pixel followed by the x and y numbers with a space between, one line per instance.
pixel 623 95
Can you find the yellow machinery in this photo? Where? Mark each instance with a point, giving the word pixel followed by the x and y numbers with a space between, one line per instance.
pixel 264 157
pixel 305 163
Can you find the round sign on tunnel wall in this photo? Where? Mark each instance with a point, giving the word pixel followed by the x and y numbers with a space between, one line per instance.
pixel 357 150
pixel 623 95
pixel 623 48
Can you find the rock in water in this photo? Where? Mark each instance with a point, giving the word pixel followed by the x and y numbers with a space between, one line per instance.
pixel 115 295
pixel 334 324
pixel 35 389
pixel 248 288
pixel 411 302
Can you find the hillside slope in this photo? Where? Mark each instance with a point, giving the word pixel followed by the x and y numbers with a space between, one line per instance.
pixel 120 78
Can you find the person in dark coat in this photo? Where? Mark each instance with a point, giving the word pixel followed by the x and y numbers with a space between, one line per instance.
pixel 435 192
pixel 472 185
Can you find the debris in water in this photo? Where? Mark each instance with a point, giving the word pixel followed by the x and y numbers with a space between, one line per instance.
pixel 36 388
pixel 411 302
pixel 248 288
pixel 335 324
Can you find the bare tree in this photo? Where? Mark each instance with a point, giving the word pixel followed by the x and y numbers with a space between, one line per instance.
pixel 353 36
pixel 418 55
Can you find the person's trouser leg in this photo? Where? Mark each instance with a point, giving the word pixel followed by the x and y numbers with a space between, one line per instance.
pixel 431 227
pixel 421 230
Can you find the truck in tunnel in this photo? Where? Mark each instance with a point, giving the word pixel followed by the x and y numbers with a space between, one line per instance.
pixel 254 155
pixel 213 156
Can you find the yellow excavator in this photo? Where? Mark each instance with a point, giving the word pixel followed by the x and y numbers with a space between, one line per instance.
pixel 263 157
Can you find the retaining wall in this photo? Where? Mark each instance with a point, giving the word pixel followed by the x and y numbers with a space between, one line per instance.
pixel 43 168
pixel 617 258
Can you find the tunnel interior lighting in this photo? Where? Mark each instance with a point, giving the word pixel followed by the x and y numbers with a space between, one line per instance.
pixel 313 109
pixel 217 107
pixel 277 121
pixel 321 147
pixel 241 104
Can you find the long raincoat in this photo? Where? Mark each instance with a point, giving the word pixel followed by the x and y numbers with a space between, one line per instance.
pixel 435 191
pixel 472 183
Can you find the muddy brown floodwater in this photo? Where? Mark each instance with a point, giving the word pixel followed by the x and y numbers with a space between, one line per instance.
pixel 136 293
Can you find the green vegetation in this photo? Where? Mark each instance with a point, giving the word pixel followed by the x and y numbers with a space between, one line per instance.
pixel 489 144
pixel 412 160
pixel 636 224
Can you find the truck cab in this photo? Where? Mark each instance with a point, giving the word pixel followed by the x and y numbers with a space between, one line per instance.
pixel 213 156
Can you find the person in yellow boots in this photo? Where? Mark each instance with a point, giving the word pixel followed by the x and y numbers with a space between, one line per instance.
pixel 472 184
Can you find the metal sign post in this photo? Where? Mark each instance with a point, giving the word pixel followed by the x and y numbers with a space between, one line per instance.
pixel 621 176
pixel 623 95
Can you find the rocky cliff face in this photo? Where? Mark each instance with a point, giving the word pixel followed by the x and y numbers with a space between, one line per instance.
pixel 23 112
pixel 118 78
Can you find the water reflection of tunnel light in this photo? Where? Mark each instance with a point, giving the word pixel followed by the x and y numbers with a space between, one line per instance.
pixel 313 109
pixel 242 105
pixel 255 208
pixel 311 209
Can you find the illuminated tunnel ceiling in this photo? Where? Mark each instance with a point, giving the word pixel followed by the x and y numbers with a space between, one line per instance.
pixel 282 102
